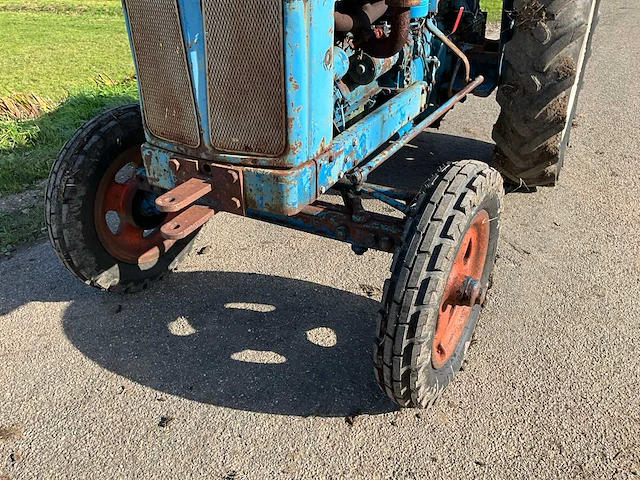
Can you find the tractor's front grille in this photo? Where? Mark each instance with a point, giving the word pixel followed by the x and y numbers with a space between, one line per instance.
pixel 163 75
pixel 245 75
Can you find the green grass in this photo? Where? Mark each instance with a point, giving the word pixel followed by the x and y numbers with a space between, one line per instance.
pixel 493 9
pixel 28 147
pixel 94 7
pixel 52 54
pixel 22 226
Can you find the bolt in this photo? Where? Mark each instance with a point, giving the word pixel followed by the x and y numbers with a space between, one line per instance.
pixel 361 69
pixel 386 244
pixel 236 202
pixel 358 250
pixel 174 165
pixel 340 174
pixel 322 190
pixel 342 232
pixel 471 292
pixel 440 349
pixel 234 175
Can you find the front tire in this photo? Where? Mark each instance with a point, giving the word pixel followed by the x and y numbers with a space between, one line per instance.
pixel 426 324
pixel 103 227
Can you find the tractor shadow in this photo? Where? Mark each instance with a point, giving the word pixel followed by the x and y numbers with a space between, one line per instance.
pixel 245 341
pixel 414 164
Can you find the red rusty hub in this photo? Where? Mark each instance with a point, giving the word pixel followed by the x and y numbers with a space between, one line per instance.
pixel 126 229
pixel 462 290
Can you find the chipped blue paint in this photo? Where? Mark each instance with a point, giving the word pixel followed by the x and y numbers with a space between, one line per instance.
pixel 314 160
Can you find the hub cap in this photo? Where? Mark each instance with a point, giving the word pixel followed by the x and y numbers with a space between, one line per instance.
pixel 125 217
pixel 462 290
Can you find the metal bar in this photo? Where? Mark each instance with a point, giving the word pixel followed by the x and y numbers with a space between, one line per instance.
pixel 444 39
pixel 392 192
pixel 392 202
pixel 186 222
pixel 360 174
pixel 379 232
pixel 183 195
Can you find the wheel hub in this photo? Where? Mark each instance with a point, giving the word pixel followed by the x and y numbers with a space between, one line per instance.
pixel 463 289
pixel 125 217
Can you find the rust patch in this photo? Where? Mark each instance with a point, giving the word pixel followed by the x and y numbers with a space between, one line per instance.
pixel 293 83
pixel 297 145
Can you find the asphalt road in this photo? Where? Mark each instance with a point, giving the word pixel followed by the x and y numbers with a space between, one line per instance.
pixel 259 348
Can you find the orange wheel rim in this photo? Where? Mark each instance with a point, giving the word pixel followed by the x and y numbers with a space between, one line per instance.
pixel 457 303
pixel 128 241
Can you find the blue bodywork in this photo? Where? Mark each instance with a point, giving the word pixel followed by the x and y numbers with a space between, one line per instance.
pixel 331 129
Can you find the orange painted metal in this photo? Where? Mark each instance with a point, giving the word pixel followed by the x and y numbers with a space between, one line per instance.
pixel 454 310
pixel 183 195
pixel 186 222
pixel 128 243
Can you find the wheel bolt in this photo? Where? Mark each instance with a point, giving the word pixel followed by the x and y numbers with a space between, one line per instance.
pixel 471 292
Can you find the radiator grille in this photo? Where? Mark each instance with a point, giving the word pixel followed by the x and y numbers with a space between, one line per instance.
pixel 163 75
pixel 245 75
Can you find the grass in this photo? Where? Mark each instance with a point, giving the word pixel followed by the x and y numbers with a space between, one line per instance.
pixel 53 54
pixel 28 147
pixel 493 9
pixel 58 59
pixel 22 226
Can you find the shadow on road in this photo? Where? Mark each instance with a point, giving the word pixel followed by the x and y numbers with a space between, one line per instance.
pixel 245 341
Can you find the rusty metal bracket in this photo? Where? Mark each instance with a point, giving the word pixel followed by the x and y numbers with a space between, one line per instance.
pixel 226 192
pixel 183 195
pixel 186 222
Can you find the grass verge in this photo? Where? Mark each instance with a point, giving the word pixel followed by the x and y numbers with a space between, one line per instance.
pixel 22 226
pixel 28 147
pixel 53 54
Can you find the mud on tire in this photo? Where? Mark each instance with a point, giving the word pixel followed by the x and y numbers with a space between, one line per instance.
pixel 542 74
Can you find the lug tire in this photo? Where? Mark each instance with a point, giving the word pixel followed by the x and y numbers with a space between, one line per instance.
pixel 439 219
pixel 542 75
pixel 71 195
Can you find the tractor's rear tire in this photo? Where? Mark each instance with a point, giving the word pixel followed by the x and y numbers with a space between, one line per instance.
pixel 104 228
pixel 425 326
pixel 542 75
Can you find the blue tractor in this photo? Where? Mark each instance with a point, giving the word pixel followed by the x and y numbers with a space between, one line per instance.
pixel 259 107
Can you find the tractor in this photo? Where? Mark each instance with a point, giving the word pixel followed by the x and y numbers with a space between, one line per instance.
pixel 259 107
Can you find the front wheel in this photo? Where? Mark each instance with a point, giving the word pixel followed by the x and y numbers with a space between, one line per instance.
pixel 102 224
pixel 440 276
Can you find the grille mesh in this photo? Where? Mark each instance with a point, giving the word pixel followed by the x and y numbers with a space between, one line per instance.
pixel 163 75
pixel 245 74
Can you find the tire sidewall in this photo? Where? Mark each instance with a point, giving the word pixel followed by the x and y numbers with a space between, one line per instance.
pixel 85 160
pixel 439 378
